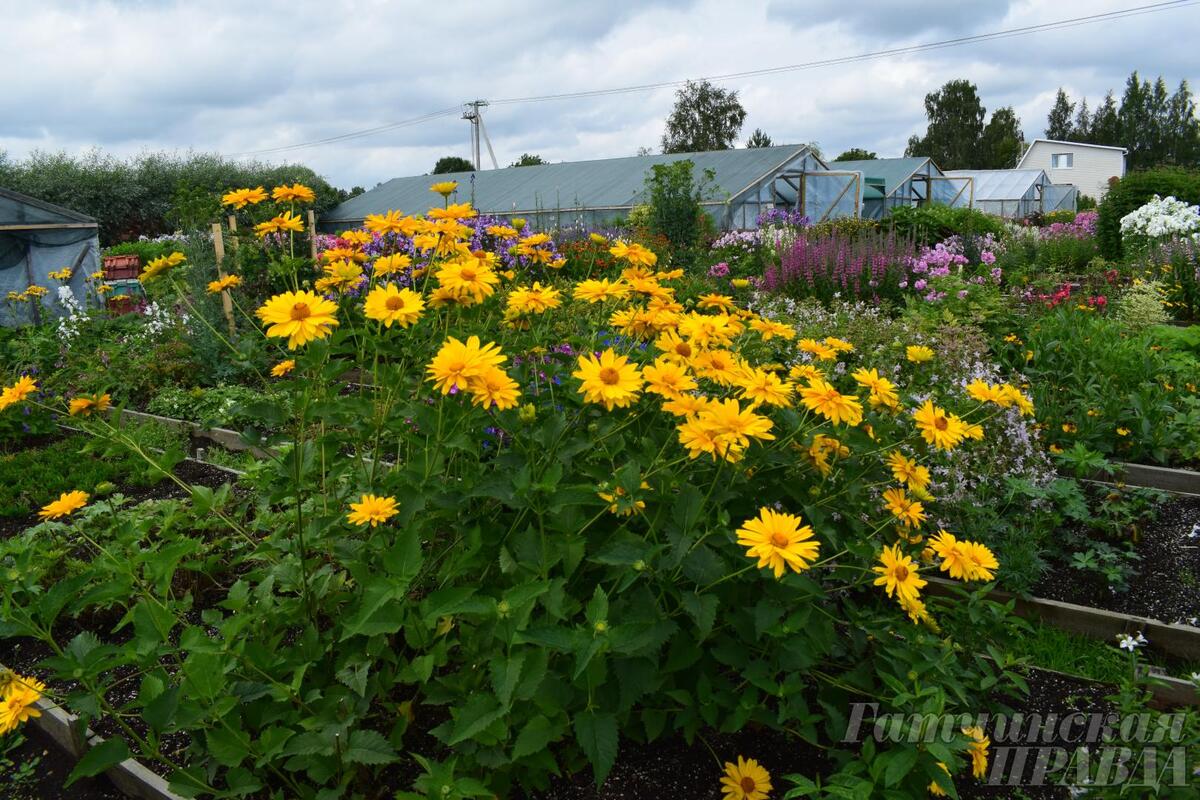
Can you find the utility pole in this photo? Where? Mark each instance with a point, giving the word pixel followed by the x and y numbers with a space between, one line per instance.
pixel 473 113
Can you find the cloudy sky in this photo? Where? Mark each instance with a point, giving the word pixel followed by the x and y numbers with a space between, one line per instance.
pixel 235 77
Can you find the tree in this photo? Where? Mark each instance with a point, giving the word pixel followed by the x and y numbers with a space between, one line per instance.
pixel 1106 124
pixel 705 117
pixel 452 164
pixel 645 151
pixel 758 139
pixel 1002 140
pixel 955 126
pixel 1058 121
pixel 856 154
pixel 1133 120
pixel 528 160
pixel 1183 130
pixel 1081 129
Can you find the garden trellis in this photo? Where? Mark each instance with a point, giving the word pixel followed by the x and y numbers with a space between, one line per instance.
pixel 37 238
pixel 592 193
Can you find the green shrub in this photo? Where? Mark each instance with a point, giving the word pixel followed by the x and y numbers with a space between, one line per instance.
pixel 1061 215
pixel 1142 306
pixel 675 210
pixel 931 224
pixel 146 250
pixel 1134 191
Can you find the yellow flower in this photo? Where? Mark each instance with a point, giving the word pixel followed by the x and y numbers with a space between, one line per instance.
pixel 469 277
pixel 388 304
pixel 300 316
pixel 18 703
pixel 943 431
pixel 610 380
pixel 536 299
pixel 820 350
pixel 63 274
pixel 953 554
pixel 978 750
pixel 667 377
pixel 745 780
pixel 721 301
pixel 633 253
pixel 768 329
pixel 297 193
pixel 372 510
pixel 986 392
pixel 708 330
pixel 160 265
pixel 390 222
pixel 454 211
pixel 18 392
pixel 456 363
pixel 220 285
pixel 760 386
pixel 983 562
pixel 239 198
pixel 621 503
pixel 805 372
pixel 358 238
pixel 721 366
pixel 918 353
pixel 1122 431
pixel 827 401
pixel 283 368
pixel 910 512
pixel 1014 396
pixel 66 504
pixel 898 574
pixel 686 405
pixel 824 448
pixel 86 405
pixel 1053 448
pixel 389 265
pixel 444 188
pixel 739 283
pixel 287 221
pixel 908 471
pixel 494 387
pixel 934 789
pixel 778 541
pixel 502 231
pixel 734 425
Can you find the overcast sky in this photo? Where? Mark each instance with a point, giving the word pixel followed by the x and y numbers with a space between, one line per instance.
pixel 240 76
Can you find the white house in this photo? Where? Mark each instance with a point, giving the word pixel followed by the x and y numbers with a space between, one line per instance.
pixel 1087 166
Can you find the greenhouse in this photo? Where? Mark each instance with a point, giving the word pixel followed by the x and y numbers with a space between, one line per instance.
pixel 898 182
pixel 36 239
pixel 1014 192
pixel 743 184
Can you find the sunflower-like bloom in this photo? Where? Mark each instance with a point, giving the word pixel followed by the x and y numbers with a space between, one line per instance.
pixel 18 702
pixel 918 353
pixel 714 300
pixel 676 347
pixel 908 471
pixel 300 316
pixel 978 750
pixel 221 284
pixel 343 254
pixel 494 387
pixel 769 329
pixel 733 425
pixel 778 541
pixel 391 222
pixel 760 386
pixel 634 253
pixel 444 188
pixel 898 574
pixel 356 238
pixel 283 367
pixel 1016 397
pixel 823 398
pixel 388 304
pixel 66 504
pixel 468 278
pixel 985 392
pixel 240 198
pixel 819 350
pixel 296 193
pixel 910 512
pixel 943 431
pixel 159 266
pixel 983 562
pixel 610 380
pixel 501 231
pixel 88 404
pixel 19 392
pixel 841 345
pixel 339 276
pixel 390 265
pixel 287 221
pixel 824 448
pixel 667 377
pixel 722 366
pixel 536 299
pixel 456 363
pixel 745 780
pixel 372 510
pixel 708 330
pixel 454 211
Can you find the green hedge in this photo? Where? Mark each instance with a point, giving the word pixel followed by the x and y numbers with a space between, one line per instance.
pixel 1133 191
pixel 931 224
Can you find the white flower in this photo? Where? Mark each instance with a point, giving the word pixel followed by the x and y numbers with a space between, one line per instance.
pixel 1131 643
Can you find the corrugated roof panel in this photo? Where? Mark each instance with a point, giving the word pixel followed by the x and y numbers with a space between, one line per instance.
pixel 611 183
pixel 1001 184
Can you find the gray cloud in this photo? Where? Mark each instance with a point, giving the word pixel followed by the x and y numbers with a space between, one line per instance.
pixel 213 75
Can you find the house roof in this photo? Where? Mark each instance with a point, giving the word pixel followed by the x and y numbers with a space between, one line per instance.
pixel 1001 184
pixel 1028 150
pixel 893 171
pixel 602 184
pixel 21 209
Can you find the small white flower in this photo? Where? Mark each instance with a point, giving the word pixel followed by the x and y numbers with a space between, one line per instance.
pixel 1130 643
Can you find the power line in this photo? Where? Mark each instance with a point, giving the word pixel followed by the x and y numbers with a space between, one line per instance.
pixel 850 59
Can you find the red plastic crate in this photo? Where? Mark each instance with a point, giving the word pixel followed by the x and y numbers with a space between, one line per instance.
pixel 121 267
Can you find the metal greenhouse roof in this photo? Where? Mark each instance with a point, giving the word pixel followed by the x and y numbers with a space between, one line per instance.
pixel 1002 184
pixel 893 171
pixel 610 184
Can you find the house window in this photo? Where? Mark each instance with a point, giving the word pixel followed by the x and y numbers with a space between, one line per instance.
pixel 1062 160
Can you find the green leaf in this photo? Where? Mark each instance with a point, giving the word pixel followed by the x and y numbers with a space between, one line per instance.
pixel 900 763
pixel 226 747
pixel 479 712
pixel 534 737
pixel 597 607
pixel 506 673
pixel 702 609
pixel 102 757
pixel 369 747
pixel 205 672
pixel 375 613
pixel 159 713
pixel 597 736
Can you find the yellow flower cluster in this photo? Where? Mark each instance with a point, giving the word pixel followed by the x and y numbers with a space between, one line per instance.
pixel 19 392
pixel 160 266
pixel 18 696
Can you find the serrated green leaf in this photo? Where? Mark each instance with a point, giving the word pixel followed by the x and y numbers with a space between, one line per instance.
pixel 597 736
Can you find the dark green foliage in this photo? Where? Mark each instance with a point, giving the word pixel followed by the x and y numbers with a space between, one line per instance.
pixel 150 194
pixel 452 164
pixel 758 139
pixel 528 160
pixel 30 479
pixel 956 137
pixel 931 224
pixel 1058 121
pixel 1133 191
pixel 1000 144
pixel 705 117
pixel 675 209
pixel 857 154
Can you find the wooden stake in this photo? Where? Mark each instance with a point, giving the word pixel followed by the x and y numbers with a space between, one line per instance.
pixel 233 229
pixel 226 300
pixel 312 232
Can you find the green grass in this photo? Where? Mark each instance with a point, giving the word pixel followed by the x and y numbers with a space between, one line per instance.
pixel 1051 648
pixel 29 479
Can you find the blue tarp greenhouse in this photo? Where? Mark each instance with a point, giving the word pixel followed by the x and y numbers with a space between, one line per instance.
pixel 37 238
